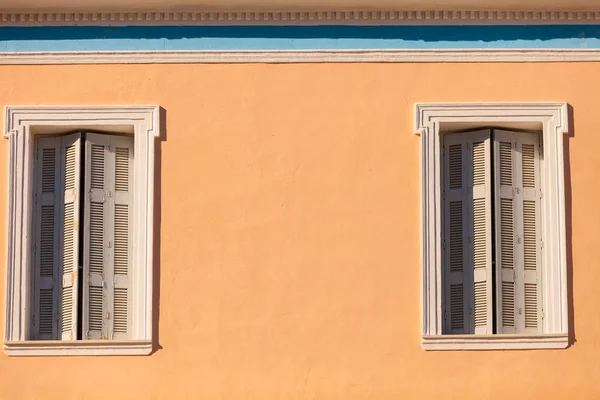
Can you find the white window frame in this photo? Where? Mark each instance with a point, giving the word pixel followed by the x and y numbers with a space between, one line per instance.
pixel 432 120
pixel 22 124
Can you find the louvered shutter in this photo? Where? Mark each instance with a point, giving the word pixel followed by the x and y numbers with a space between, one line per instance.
pixel 56 238
pixel 518 242
pixel 107 258
pixel 71 157
pixel 48 198
pixel 467 233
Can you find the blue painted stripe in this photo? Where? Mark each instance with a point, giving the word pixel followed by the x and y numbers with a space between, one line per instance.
pixel 93 38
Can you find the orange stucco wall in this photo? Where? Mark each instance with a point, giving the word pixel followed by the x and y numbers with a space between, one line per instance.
pixel 289 233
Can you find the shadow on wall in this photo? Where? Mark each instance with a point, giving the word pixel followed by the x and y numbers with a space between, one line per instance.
pixel 568 224
pixel 157 229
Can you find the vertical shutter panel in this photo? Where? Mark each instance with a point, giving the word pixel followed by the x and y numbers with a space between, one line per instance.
pixel 481 232
pixel 108 237
pixel 71 157
pixel 518 238
pixel 46 248
pixel 123 154
pixel 505 230
pixel 56 238
pixel 467 205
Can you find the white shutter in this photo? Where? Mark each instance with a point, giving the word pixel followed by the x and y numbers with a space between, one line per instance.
pixel 518 240
pixel 56 238
pixel 71 158
pixel 46 238
pixel 467 233
pixel 123 212
pixel 107 250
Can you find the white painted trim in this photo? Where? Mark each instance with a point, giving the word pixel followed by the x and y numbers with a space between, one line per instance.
pixel 22 123
pixel 301 56
pixel 78 348
pixel 495 342
pixel 354 17
pixel 431 120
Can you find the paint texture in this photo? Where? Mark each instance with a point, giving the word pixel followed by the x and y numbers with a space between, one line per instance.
pixel 288 233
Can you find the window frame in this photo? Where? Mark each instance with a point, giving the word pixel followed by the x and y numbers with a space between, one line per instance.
pixel 22 125
pixel 432 119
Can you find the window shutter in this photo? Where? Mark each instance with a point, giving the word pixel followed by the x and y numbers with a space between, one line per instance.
pixel 56 238
pixel 71 156
pixel 107 259
pixel 467 233
pixel 47 231
pixel 518 240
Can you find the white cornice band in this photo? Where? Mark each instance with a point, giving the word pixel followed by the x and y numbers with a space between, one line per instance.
pixel 300 56
pixel 390 17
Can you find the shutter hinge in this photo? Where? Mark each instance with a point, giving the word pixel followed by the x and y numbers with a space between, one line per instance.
pixel 108 315
pixel 542 313
pixel 34 248
pixel 541 194
pixel 35 199
pixel 541 244
pixel 32 319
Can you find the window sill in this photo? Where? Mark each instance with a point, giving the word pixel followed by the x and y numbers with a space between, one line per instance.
pixel 494 342
pixel 78 348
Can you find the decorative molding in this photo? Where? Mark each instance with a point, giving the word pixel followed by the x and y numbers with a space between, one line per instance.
pixel 395 17
pixel 77 348
pixel 22 124
pixel 300 56
pixel 431 120
pixel 495 342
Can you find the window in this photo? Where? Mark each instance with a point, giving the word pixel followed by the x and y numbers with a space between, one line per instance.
pixel 80 230
pixel 82 237
pixel 494 264
pixel 491 247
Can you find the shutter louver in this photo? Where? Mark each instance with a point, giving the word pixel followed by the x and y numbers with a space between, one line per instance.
pixel 108 238
pixel 517 237
pixel 56 238
pixel 467 202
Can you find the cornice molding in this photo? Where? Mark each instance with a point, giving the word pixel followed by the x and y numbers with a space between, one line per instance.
pixel 300 56
pixel 384 17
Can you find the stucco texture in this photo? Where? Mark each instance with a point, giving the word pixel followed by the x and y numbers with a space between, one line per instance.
pixel 288 234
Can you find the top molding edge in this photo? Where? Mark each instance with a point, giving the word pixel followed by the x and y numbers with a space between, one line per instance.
pixel 383 17
pixel 425 113
pixel 15 116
